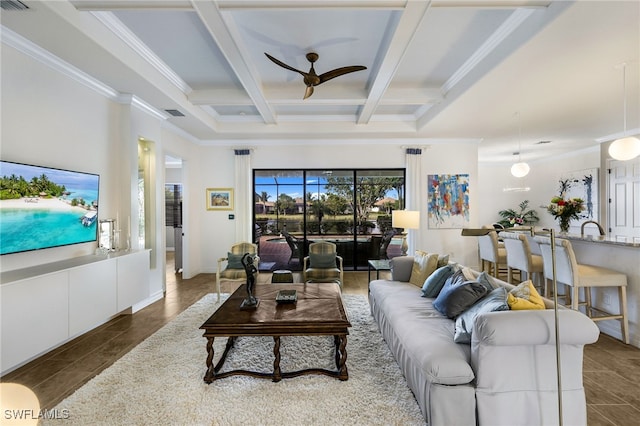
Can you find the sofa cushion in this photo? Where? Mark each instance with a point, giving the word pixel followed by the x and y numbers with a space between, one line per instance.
pixel 525 296
pixel 434 282
pixel 423 265
pixel 401 316
pixel 455 299
pixel 496 300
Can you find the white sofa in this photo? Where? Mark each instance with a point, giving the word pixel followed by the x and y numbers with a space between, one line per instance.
pixel 506 376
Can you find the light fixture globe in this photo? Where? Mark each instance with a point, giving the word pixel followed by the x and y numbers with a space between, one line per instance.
pixel 625 148
pixel 520 169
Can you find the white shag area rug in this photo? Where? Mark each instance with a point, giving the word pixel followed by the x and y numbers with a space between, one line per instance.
pixel 161 380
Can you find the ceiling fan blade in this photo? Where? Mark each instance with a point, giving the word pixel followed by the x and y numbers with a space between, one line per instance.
pixel 340 71
pixel 283 65
pixel 308 92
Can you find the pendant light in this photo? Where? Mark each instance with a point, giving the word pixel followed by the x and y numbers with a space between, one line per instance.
pixel 627 147
pixel 519 169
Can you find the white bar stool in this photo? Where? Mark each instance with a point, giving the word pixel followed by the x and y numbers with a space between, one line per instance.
pixel 576 276
pixel 520 257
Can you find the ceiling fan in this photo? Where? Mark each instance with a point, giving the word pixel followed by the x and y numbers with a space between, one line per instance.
pixel 311 78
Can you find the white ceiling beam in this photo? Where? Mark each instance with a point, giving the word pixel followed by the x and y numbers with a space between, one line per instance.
pixel 223 35
pixel 408 24
pixel 314 129
pixel 105 5
pixel 330 95
pixel 311 4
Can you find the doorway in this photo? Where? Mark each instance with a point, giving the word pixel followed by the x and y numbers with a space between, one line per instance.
pixel 173 201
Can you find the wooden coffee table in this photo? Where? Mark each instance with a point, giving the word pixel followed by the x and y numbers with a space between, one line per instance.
pixel 318 312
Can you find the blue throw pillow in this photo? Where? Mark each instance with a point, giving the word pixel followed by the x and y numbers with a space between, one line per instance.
pixel 322 260
pixel 434 282
pixel 494 301
pixel 457 298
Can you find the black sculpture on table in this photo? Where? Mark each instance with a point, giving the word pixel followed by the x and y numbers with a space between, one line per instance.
pixel 251 302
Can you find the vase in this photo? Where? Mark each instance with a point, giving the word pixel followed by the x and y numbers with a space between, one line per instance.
pixel 564 225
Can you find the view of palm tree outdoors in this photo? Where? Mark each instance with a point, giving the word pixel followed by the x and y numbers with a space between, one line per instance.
pixel 350 208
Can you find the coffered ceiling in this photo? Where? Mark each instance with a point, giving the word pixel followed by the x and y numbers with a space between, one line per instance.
pixel 503 73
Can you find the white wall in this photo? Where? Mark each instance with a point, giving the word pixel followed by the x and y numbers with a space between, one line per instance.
pixel 217 166
pixel 542 179
pixel 50 120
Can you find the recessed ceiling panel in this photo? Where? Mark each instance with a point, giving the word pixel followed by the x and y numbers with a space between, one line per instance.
pixel 184 44
pixel 445 40
pixel 351 37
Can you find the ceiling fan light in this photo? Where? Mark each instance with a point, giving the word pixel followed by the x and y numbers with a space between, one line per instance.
pixel 520 169
pixel 625 148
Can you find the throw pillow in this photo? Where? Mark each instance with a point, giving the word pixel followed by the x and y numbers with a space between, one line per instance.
pixel 424 264
pixel 496 300
pixel 525 296
pixel 443 260
pixel 455 299
pixel 487 281
pixel 322 260
pixel 234 261
pixel 434 282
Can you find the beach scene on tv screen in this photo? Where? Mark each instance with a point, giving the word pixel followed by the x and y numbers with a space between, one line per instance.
pixel 43 207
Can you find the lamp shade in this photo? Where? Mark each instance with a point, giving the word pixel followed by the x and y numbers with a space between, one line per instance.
pixel 406 219
pixel 625 148
pixel 520 169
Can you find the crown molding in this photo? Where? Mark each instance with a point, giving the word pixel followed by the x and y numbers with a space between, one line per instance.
pixel 27 47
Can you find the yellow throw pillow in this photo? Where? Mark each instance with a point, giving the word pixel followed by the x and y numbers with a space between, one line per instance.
pixel 524 296
pixel 423 265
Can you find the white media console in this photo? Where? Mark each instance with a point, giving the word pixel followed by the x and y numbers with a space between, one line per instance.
pixel 47 305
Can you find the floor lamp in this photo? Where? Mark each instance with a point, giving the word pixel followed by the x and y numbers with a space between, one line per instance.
pixel 405 219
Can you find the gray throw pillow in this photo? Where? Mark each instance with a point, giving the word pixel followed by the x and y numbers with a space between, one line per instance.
pixel 322 260
pixel 487 281
pixel 434 282
pixel 496 300
pixel 234 261
pixel 455 299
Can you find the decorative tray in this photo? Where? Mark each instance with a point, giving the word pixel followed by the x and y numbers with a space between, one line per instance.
pixel 287 296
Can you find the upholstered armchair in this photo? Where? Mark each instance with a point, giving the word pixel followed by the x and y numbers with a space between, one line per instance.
pixel 323 264
pixel 234 270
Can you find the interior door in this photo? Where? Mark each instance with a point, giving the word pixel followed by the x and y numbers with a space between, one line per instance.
pixel 624 200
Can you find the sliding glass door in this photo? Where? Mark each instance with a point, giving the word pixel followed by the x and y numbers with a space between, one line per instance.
pixel 349 207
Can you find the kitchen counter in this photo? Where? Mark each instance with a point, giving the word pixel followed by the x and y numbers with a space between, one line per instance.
pixel 619 241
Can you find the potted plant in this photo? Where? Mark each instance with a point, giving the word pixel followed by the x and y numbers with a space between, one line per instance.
pixel 524 216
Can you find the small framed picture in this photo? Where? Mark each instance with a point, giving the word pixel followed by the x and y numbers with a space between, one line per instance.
pixel 219 198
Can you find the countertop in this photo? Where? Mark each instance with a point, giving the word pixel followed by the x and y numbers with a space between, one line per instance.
pixel 624 241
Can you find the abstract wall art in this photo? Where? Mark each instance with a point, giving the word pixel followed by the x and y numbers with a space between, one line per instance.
pixel 448 198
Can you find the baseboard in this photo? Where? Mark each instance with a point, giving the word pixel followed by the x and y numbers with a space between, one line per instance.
pixel 146 302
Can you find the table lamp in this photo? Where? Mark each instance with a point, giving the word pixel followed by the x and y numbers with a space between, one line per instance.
pixel 405 219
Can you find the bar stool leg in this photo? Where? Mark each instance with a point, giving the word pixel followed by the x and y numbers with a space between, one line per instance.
pixel 575 298
pixel 622 295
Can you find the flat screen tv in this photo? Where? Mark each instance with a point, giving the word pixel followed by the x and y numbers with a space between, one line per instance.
pixel 44 207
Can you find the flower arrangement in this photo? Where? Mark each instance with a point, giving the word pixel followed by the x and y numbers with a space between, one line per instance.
pixel 511 217
pixel 565 209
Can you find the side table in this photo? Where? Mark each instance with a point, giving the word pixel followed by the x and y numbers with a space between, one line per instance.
pixel 378 265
